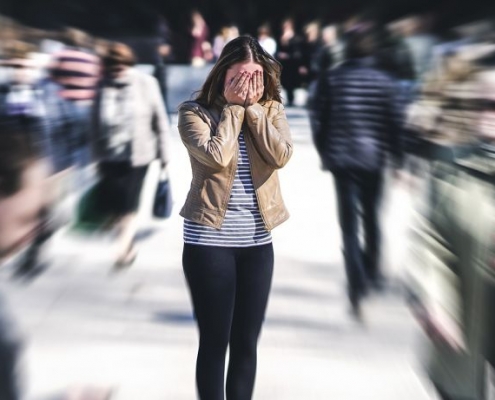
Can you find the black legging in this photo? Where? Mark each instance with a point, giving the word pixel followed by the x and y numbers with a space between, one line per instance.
pixel 229 288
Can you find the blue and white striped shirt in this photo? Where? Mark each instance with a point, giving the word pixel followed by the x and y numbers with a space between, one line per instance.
pixel 243 225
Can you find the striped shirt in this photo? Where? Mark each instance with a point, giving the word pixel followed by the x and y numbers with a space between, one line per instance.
pixel 78 72
pixel 243 225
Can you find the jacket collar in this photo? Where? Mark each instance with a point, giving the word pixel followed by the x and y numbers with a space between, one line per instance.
pixel 369 61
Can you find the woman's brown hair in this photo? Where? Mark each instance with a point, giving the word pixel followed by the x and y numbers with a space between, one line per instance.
pixel 119 54
pixel 241 49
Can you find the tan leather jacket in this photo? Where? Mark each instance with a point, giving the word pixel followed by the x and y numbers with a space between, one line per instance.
pixel 211 138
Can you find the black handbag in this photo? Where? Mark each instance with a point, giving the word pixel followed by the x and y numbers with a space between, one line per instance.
pixel 162 206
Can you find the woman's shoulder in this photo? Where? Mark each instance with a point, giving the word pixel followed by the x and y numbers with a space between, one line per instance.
pixel 188 104
pixel 191 105
pixel 211 116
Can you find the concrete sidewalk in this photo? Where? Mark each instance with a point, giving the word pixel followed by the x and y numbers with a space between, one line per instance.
pixel 135 331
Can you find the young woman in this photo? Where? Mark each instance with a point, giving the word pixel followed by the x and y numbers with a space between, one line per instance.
pixel 237 136
pixel 131 128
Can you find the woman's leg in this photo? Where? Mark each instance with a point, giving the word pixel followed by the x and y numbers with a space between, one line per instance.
pixel 128 185
pixel 211 276
pixel 127 232
pixel 254 276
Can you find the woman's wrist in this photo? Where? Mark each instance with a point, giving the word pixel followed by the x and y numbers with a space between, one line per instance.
pixel 232 105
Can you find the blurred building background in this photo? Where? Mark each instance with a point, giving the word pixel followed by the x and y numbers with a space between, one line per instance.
pixel 141 18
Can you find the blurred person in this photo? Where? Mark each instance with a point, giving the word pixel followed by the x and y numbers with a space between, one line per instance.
pixel 412 50
pixel 418 37
pixel 266 40
pixel 26 193
pixel 396 59
pixel 201 51
pixel 328 55
pixel 357 124
pixel 23 188
pixel 237 136
pixel 289 54
pixel 225 35
pixel 152 50
pixel 23 110
pixel 131 128
pixel 76 68
pixel 450 280
pixel 166 52
pixel 394 55
pixel 26 190
pixel 311 46
pixel 331 51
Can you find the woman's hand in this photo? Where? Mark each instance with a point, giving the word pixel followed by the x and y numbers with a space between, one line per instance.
pixel 255 89
pixel 236 90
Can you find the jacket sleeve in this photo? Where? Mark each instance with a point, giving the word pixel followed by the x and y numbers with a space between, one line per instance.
pixel 271 138
pixel 161 123
pixel 212 149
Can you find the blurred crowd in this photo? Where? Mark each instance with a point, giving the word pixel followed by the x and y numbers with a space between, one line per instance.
pixel 58 105
pixel 80 126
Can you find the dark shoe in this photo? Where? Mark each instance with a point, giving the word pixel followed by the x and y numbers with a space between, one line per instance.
pixel 377 283
pixel 355 298
pixel 355 310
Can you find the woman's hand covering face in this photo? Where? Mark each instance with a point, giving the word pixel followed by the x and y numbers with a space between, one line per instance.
pixel 244 84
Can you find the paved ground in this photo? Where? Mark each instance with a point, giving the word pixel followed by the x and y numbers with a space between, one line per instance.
pixel 134 331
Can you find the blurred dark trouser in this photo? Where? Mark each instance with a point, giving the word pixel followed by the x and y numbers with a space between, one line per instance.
pixel 290 80
pixel 359 193
pixel 160 74
pixel 10 352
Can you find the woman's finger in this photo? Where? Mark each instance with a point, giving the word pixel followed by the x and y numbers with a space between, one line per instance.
pixel 242 82
pixel 248 94
pixel 237 79
pixel 259 83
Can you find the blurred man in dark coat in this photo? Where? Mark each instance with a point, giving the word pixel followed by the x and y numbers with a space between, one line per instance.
pixel 357 123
